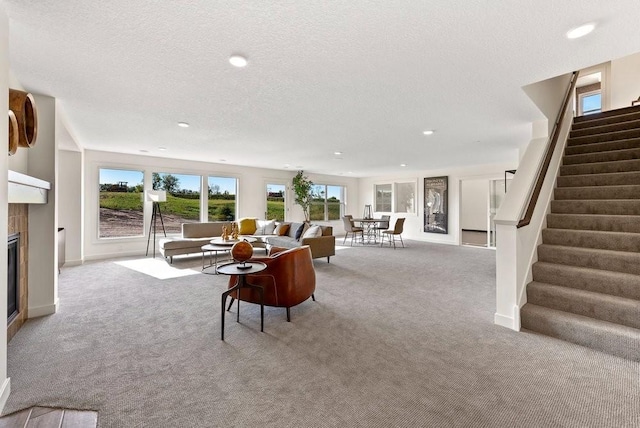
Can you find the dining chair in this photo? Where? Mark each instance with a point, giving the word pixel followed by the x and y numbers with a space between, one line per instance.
pixel 349 227
pixel 383 224
pixel 392 233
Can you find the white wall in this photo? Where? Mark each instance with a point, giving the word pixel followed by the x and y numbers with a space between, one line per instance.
pixel 5 383
pixel 414 223
pixel 475 205
pixel 70 203
pixel 625 81
pixel 43 219
pixel 251 194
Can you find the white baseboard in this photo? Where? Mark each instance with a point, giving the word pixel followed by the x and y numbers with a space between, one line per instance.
pixel 506 321
pixel 116 255
pixel 41 311
pixel 71 263
pixel 4 392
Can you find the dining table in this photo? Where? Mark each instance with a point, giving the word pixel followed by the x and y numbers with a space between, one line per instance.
pixel 368 225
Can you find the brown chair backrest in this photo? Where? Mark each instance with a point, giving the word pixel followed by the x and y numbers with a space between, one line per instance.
pixel 384 221
pixel 397 229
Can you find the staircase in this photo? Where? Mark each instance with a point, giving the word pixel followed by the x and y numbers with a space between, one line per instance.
pixel 586 283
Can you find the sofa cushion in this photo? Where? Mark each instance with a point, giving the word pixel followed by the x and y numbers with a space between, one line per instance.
pixel 293 229
pixel 312 232
pixel 282 241
pixel 265 227
pixel 247 226
pixel 301 231
pixel 282 229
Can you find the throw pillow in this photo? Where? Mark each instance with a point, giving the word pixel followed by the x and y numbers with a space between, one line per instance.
pixel 247 226
pixel 265 227
pixel 303 227
pixel 312 232
pixel 281 229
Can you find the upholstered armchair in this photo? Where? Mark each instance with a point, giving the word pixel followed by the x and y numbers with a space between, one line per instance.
pixel 288 280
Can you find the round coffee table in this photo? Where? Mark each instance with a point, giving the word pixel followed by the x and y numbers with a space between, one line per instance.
pixel 230 242
pixel 213 262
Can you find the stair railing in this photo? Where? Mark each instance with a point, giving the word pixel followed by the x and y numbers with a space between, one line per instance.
pixel 551 146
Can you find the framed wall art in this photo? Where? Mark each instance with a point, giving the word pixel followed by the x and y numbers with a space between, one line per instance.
pixel 436 204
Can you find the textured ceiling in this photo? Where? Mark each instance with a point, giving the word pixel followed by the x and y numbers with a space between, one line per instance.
pixel 362 77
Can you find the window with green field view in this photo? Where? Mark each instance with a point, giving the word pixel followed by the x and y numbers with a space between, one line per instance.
pixel 328 202
pixel 121 203
pixel 183 199
pixel 222 198
pixel 275 201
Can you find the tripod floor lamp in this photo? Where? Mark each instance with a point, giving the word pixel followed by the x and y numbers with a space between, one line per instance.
pixel 155 196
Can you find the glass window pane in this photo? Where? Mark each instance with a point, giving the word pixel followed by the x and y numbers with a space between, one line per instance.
pixel 121 205
pixel 405 198
pixel 316 211
pixel 275 201
pixel 383 198
pixel 591 103
pixel 334 202
pixel 183 199
pixel 222 199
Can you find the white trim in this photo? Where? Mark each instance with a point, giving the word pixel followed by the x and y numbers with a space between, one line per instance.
pixel 4 392
pixel 71 263
pixel 40 311
pixel 505 321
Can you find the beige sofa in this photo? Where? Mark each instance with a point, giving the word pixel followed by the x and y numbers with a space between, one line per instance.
pixel 195 235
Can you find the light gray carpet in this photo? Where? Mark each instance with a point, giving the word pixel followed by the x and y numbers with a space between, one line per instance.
pixel 396 338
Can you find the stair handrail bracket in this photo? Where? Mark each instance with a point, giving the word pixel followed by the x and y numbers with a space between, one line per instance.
pixel 527 203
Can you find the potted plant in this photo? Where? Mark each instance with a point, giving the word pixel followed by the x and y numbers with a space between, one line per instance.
pixel 303 189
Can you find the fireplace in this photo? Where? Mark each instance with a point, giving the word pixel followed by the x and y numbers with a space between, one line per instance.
pixel 13 277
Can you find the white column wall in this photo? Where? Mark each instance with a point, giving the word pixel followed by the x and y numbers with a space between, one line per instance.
pixel 43 219
pixel 625 81
pixel 414 223
pixel 5 382
pixel 475 204
pixel 251 194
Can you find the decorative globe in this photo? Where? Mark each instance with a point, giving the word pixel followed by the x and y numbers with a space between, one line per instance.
pixel 241 251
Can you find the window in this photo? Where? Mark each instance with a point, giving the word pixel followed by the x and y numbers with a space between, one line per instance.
pixel 222 199
pixel 383 197
pixel 121 206
pixel 275 201
pixel 405 198
pixel 183 199
pixel 590 102
pixel 328 202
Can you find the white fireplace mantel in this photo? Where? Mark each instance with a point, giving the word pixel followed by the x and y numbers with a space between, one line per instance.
pixel 24 189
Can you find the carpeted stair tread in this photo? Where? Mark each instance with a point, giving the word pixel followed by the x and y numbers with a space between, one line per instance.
pixel 627 191
pixel 599 281
pixel 601 167
pixel 602 222
pixel 606 120
pixel 596 206
pixel 608 136
pixel 605 240
pixel 607 114
pixel 606 179
pixel 605 156
pixel 600 306
pixel 603 336
pixel 605 128
pixel 630 143
pixel 617 261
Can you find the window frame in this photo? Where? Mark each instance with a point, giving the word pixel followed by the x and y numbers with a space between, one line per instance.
pixel 342 203
pixel 98 221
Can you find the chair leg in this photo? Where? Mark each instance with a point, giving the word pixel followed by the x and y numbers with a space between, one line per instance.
pixel 230 304
pixel 328 259
pixel 288 315
pixel 345 237
pixel 400 236
pixel 313 297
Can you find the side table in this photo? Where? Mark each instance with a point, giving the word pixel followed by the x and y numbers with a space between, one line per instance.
pixel 236 269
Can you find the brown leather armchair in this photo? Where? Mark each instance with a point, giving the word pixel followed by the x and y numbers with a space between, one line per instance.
pixel 288 280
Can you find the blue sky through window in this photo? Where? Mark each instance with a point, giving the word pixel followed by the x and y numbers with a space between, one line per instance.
pixel 591 103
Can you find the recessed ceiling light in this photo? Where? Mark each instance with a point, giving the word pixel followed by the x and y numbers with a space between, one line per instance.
pixel 183 124
pixel 238 61
pixel 403 164
pixel 337 153
pixel 580 31
pixel 286 165
pixel 428 132
pixel 162 149
pixel 223 160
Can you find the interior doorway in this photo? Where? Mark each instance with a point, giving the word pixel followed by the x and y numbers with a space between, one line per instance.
pixel 480 200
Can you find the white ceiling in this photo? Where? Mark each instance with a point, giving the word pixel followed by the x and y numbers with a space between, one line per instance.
pixel 362 77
